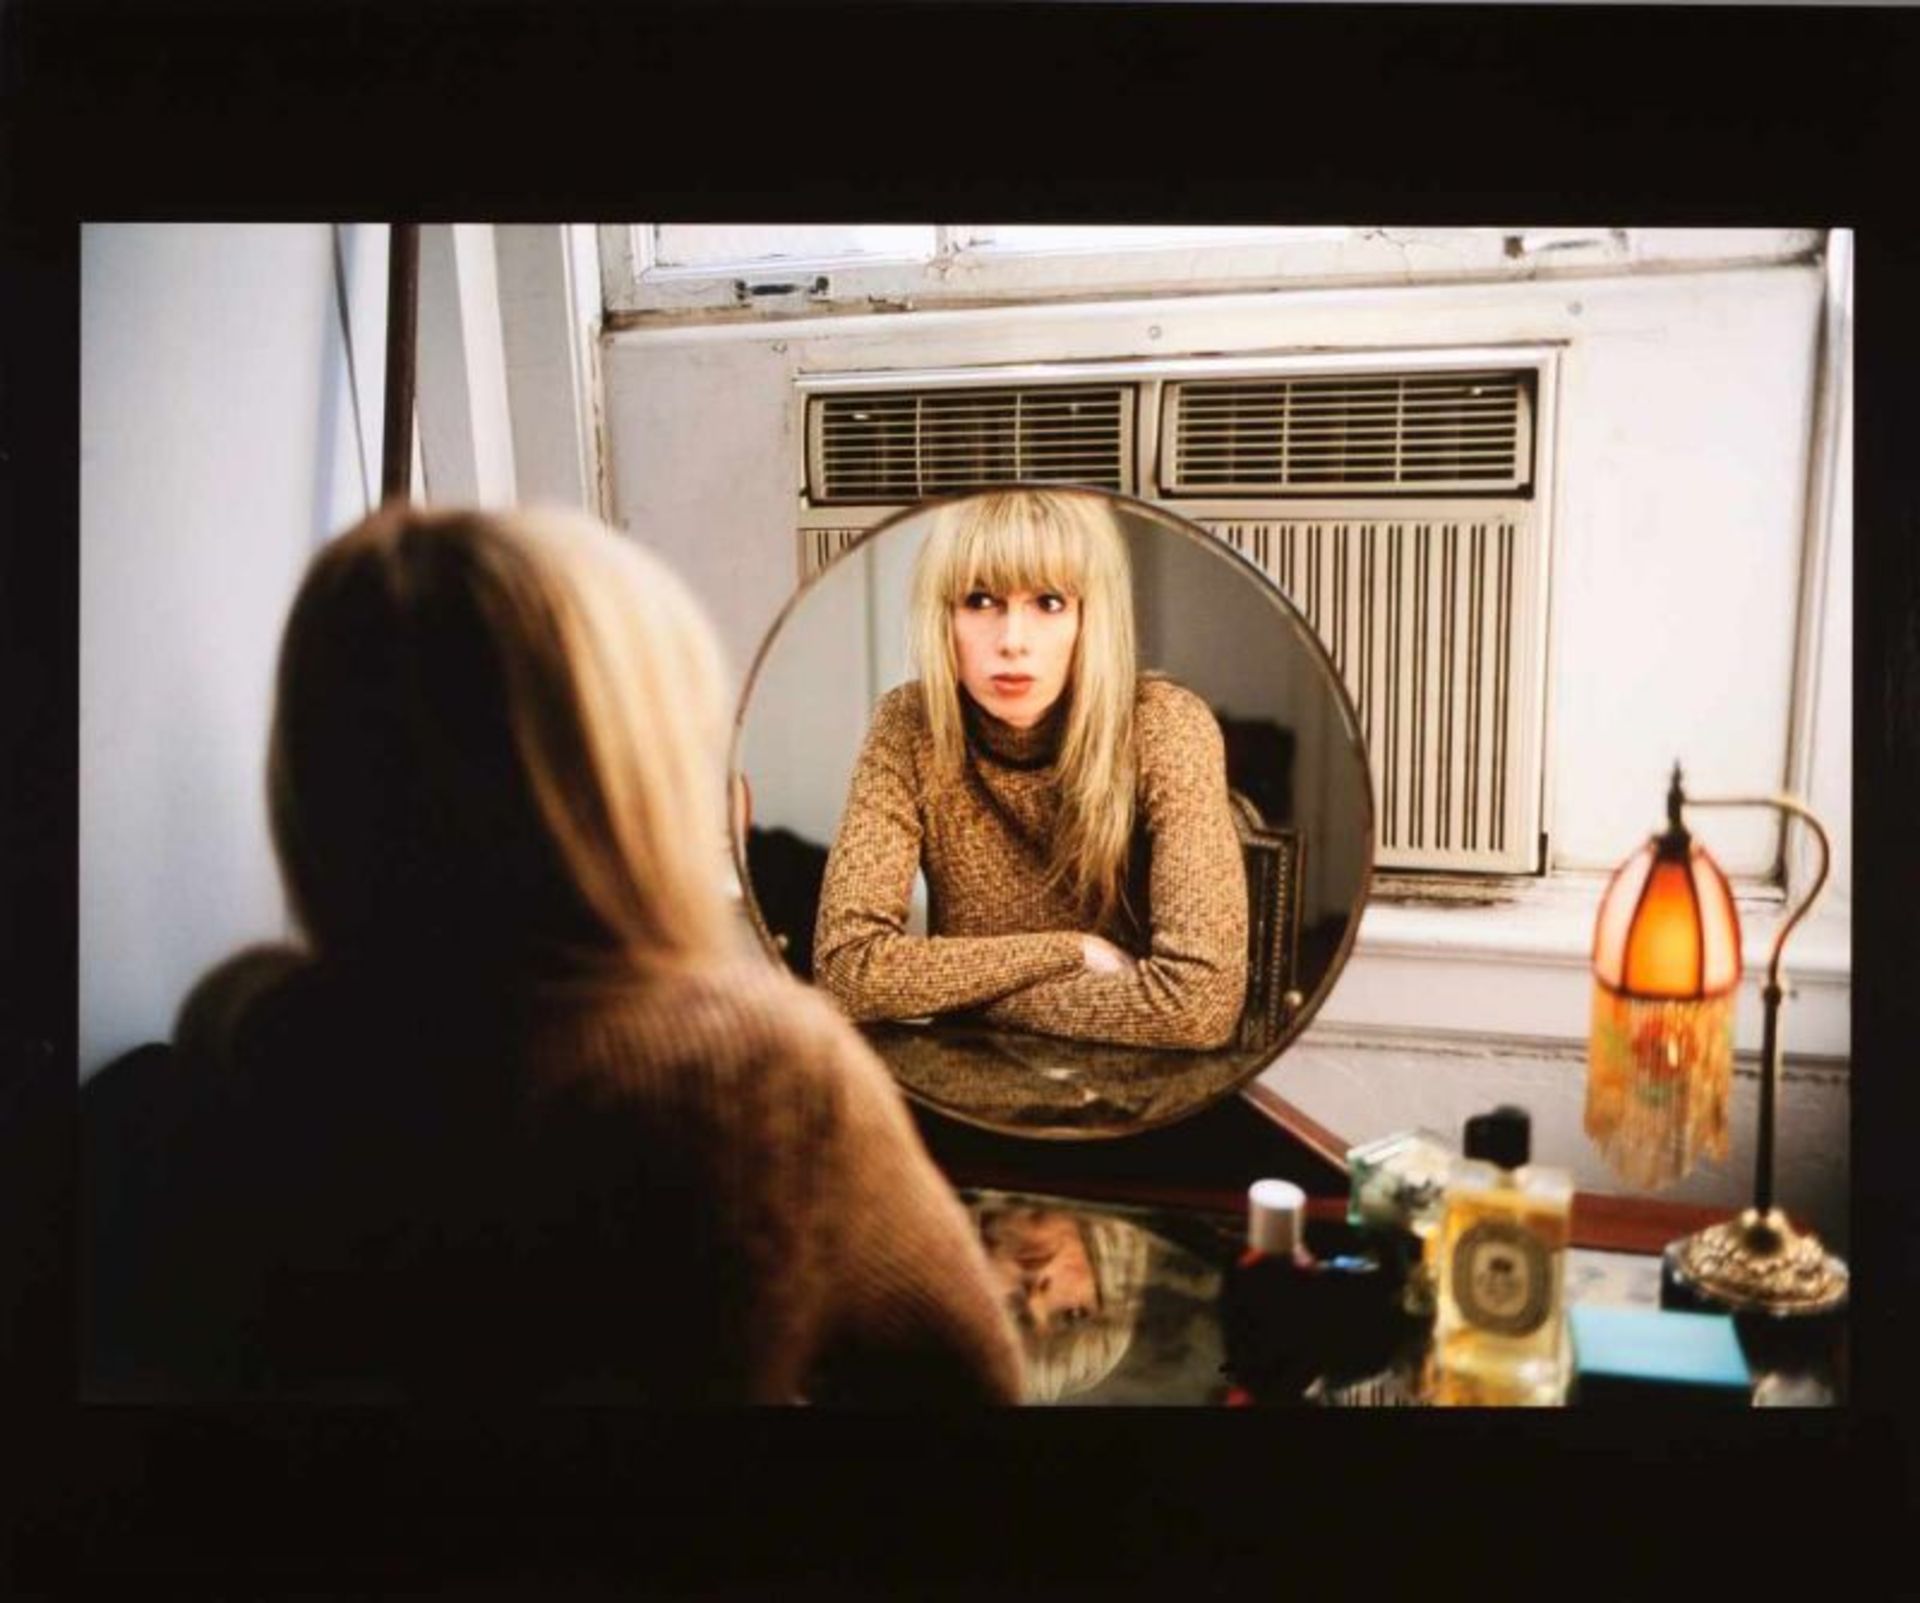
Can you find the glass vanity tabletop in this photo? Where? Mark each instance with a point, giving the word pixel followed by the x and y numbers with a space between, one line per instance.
pixel 1121 1306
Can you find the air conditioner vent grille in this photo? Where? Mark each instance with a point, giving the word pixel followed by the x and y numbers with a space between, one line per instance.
pixel 903 445
pixel 1424 619
pixel 1430 433
pixel 820 548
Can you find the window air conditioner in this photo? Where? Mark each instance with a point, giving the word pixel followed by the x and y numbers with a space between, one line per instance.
pixel 1395 498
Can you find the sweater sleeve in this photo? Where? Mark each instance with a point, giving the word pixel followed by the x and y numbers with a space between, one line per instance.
pixel 862 954
pixel 912 1315
pixel 1188 990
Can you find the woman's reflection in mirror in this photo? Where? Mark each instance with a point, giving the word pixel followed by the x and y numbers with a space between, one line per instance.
pixel 1069 812
pixel 1073 1283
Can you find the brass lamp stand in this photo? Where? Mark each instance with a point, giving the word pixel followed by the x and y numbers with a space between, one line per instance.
pixel 1759 1263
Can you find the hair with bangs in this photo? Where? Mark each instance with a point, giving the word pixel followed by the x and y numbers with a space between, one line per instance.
pixel 1066 1360
pixel 497 738
pixel 1043 539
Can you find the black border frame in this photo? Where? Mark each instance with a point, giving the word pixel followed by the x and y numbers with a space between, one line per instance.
pixel 505 109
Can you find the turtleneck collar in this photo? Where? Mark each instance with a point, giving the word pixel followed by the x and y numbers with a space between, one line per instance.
pixel 1009 747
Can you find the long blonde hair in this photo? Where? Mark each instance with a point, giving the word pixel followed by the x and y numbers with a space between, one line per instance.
pixel 497 737
pixel 1070 541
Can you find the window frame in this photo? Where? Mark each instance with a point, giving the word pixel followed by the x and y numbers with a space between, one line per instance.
pixel 968 268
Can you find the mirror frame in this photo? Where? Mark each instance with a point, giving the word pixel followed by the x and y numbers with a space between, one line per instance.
pixel 738 788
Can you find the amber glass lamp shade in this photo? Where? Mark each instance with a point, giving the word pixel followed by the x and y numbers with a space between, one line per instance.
pixel 1666 965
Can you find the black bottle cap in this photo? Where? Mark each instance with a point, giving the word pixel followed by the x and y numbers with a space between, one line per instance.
pixel 1503 1137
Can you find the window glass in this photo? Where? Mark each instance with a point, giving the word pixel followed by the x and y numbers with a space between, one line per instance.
pixel 1034 237
pixel 716 245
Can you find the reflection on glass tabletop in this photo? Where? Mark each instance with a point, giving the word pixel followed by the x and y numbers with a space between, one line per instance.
pixel 1114 1305
pixel 1042 1085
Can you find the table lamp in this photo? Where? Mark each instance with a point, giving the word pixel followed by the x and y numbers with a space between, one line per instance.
pixel 1666 966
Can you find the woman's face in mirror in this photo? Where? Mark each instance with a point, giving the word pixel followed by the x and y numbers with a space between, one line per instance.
pixel 1015 651
pixel 1040 1260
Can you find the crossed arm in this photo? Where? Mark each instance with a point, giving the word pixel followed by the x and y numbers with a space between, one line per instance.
pixel 862 954
pixel 1184 992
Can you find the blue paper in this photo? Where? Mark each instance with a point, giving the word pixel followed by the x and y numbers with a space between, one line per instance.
pixel 1658 1347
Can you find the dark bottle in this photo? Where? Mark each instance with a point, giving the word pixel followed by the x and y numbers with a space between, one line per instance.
pixel 1375 1323
pixel 1273 1322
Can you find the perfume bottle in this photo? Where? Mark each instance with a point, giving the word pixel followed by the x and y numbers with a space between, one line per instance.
pixel 1398 1196
pixel 1269 1314
pixel 1500 1330
pixel 1400 1181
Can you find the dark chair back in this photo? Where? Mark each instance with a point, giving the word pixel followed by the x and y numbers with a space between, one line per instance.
pixel 1274 858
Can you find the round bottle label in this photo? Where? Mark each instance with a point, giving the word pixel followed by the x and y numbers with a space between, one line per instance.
pixel 1502 1277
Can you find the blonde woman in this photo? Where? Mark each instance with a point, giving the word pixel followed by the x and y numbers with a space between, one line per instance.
pixel 1070 814
pixel 1073 1283
pixel 514 1118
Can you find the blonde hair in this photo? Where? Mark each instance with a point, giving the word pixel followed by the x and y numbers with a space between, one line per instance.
pixel 1070 541
pixel 1067 1360
pixel 497 737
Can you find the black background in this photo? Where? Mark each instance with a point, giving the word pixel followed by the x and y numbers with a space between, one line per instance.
pixel 1435 114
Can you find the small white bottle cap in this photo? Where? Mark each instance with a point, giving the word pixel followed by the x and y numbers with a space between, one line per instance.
pixel 1274 1210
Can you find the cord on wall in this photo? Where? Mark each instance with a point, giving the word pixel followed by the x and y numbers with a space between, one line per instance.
pixel 353 379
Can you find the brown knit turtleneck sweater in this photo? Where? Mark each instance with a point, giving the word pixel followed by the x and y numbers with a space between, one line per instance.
pixel 691 1188
pixel 1007 942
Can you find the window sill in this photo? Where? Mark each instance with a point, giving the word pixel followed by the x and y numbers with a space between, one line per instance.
pixel 1516 971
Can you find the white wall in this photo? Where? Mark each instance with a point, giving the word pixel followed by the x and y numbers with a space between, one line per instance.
pixel 465 416
pixel 546 361
pixel 217 450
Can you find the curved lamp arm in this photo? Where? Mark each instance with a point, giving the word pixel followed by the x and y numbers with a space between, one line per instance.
pixel 1785 804
pixel 1771 995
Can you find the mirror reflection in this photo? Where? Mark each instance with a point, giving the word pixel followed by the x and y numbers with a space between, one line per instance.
pixel 1069 814
pixel 1109 1309
pixel 1059 798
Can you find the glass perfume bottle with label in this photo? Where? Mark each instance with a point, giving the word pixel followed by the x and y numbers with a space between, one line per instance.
pixel 1500 1330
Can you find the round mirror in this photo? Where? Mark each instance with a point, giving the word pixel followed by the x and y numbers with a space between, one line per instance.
pixel 1060 799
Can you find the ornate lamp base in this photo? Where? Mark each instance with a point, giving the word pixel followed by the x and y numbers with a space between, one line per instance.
pixel 1759 1264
